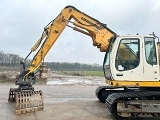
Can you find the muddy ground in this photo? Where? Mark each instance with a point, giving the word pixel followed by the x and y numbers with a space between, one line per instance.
pixel 65 98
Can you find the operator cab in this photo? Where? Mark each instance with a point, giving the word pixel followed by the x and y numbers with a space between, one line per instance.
pixel 132 58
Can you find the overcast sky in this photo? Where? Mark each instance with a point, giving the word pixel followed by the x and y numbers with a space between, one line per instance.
pixel 22 23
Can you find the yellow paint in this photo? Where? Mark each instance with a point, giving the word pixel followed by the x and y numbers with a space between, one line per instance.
pixel 83 23
pixel 116 83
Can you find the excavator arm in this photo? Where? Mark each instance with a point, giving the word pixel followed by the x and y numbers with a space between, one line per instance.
pixel 70 16
pixel 81 22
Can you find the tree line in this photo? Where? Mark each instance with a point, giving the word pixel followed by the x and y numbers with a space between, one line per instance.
pixel 64 66
pixel 9 61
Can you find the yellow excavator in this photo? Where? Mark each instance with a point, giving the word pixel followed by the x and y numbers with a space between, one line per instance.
pixel 131 67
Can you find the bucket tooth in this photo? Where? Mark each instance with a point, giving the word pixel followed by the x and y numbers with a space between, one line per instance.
pixel 12 92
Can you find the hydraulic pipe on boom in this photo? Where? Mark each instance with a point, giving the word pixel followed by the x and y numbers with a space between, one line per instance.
pixel 101 36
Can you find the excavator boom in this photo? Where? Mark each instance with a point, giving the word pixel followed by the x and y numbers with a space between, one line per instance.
pixel 100 34
pixel 83 23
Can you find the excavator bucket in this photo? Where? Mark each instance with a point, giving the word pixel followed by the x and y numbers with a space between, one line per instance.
pixel 26 101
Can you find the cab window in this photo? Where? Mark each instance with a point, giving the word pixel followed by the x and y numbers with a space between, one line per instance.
pixel 127 56
pixel 150 51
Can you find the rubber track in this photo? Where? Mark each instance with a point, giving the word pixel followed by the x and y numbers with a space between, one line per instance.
pixel 112 98
pixel 102 88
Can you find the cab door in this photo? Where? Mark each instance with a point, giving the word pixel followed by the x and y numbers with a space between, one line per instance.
pixel 150 61
pixel 126 61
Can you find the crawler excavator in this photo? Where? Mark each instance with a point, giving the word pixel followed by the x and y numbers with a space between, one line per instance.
pixel 131 67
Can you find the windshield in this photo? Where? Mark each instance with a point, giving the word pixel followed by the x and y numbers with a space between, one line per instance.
pixel 106 66
pixel 106 62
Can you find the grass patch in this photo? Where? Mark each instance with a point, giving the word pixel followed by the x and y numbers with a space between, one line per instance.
pixel 6 81
pixel 83 73
pixel 2 81
pixel 94 73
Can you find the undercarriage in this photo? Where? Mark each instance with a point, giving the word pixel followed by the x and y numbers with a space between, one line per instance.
pixel 131 102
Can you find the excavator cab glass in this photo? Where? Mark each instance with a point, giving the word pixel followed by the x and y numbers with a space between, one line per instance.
pixel 150 51
pixel 106 66
pixel 127 56
pixel 106 63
